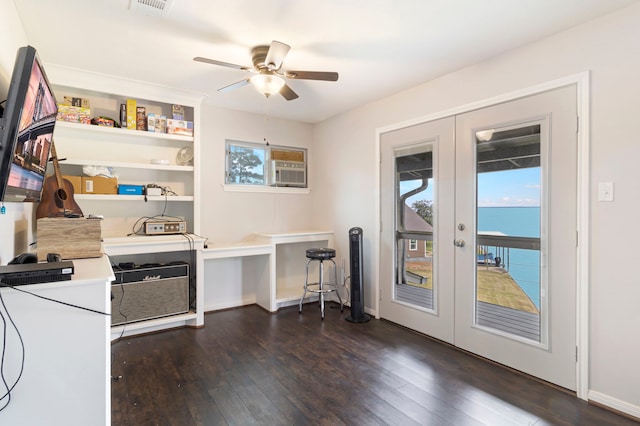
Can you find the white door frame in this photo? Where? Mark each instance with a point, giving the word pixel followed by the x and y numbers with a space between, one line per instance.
pixel 582 82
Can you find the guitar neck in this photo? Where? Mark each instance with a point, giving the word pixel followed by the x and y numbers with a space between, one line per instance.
pixel 56 166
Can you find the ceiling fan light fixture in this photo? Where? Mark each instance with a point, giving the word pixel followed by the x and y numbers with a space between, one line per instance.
pixel 267 84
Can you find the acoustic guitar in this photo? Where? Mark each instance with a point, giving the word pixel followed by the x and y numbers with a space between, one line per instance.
pixel 57 194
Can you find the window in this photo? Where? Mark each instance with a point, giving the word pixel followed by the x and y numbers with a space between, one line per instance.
pixel 263 165
pixel 413 245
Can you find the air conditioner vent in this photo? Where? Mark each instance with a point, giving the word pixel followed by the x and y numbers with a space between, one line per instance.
pixel 150 7
pixel 288 173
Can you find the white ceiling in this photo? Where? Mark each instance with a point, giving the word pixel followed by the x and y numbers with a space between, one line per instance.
pixel 378 47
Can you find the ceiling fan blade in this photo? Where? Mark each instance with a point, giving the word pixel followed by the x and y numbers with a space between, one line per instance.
pixel 275 55
pixel 287 93
pixel 235 85
pixel 312 75
pixel 223 64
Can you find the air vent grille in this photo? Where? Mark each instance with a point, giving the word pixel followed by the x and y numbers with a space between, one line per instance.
pixel 151 7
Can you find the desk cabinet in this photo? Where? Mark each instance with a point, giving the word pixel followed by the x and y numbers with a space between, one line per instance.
pixel 67 363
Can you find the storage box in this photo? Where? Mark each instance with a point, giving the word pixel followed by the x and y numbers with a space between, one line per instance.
pixel 76 182
pixel 76 102
pixel 131 114
pixel 179 127
pixel 74 114
pixel 99 185
pixel 71 238
pixel 130 189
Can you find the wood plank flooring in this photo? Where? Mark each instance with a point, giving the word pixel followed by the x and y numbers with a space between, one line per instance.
pixel 249 367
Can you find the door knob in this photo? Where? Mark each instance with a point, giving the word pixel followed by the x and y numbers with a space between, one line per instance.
pixel 459 243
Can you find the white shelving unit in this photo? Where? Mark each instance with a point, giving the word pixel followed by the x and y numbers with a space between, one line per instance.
pixel 129 153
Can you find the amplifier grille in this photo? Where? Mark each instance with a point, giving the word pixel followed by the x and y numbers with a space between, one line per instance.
pixel 145 300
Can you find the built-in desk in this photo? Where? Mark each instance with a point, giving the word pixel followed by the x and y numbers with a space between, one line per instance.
pixel 267 269
pixel 67 362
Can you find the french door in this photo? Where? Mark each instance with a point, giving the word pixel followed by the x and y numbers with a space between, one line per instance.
pixel 478 241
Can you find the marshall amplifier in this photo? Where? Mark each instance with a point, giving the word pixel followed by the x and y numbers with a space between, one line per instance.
pixel 149 291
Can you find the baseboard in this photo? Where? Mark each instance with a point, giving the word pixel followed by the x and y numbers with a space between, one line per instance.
pixel 614 404
pixel 230 304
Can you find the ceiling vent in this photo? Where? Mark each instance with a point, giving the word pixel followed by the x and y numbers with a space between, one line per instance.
pixel 150 7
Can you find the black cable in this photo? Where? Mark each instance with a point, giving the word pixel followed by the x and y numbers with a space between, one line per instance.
pixel 124 325
pixel 8 388
pixel 192 270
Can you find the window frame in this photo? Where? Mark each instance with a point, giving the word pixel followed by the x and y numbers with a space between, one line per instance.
pixel 268 185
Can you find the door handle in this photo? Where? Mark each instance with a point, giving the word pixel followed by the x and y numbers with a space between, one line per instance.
pixel 458 243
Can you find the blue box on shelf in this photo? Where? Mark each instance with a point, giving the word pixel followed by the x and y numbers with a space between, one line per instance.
pixel 130 189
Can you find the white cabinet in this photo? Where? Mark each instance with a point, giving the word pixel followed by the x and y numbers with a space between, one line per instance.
pixel 66 375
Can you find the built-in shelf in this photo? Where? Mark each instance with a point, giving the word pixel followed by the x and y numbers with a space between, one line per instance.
pixel 123 164
pixel 102 197
pixel 120 132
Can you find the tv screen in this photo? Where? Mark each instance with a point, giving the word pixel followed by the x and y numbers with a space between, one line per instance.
pixel 26 129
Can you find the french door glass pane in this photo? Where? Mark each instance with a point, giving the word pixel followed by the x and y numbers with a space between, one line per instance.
pixel 509 191
pixel 415 211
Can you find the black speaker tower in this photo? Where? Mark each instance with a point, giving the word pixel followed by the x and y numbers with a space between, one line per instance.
pixel 355 264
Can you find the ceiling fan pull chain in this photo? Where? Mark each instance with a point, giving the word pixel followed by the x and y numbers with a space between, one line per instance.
pixel 266 121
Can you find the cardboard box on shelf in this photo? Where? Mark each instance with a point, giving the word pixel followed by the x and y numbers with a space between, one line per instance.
pixel 141 118
pixel 76 182
pixel 177 112
pixel 99 185
pixel 179 127
pixel 76 102
pixel 130 189
pixel 73 114
pixel 131 114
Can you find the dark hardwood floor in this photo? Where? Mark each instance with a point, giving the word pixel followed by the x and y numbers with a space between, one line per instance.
pixel 247 367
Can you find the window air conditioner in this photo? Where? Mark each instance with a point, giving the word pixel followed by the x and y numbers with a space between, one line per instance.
pixel 288 173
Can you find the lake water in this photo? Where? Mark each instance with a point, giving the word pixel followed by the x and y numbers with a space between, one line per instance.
pixel 524 265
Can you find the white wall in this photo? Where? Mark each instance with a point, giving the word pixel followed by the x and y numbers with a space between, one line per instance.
pixel 16 231
pixel 232 216
pixel 608 47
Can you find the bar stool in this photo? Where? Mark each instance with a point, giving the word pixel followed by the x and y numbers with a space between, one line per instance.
pixel 321 287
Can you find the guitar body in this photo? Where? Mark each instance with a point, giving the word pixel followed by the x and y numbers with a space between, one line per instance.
pixel 57 201
pixel 57 194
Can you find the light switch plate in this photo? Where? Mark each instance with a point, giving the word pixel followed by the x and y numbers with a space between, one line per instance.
pixel 605 191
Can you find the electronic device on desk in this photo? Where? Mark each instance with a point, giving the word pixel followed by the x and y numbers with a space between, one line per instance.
pixel 165 227
pixel 35 273
pixel 26 129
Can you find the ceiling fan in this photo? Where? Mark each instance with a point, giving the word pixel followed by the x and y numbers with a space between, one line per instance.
pixel 268 75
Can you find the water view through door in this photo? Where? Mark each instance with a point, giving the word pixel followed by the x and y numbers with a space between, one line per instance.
pixel 508 182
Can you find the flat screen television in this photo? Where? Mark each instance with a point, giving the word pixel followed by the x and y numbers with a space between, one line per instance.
pixel 26 129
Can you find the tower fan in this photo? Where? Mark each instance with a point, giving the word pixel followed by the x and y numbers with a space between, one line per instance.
pixel 355 263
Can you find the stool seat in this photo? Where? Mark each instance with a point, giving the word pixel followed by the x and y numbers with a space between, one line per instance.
pixel 321 253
